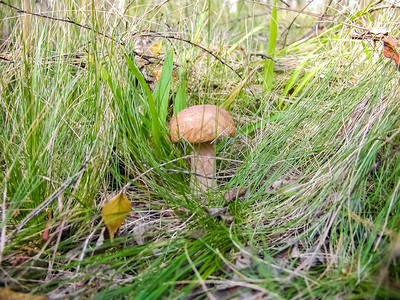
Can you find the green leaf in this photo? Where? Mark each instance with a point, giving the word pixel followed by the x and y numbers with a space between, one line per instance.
pixel 161 92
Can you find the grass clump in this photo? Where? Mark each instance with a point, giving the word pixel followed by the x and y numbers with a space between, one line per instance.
pixel 84 109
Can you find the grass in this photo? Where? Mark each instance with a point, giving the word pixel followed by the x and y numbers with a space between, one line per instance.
pixel 318 153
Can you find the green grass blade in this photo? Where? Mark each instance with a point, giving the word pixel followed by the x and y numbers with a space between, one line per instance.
pixel 296 73
pixel 305 80
pixel 268 63
pixel 180 99
pixel 155 121
pixel 161 93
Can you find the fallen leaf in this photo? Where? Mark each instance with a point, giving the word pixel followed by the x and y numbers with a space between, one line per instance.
pixel 216 211
pixel 8 294
pixel 114 213
pixel 391 49
pixel 156 48
pixel 233 194
pixel 157 72
pixel 16 212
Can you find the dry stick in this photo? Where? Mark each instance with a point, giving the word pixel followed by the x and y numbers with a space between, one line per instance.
pixel 294 20
pixel 172 37
pixel 316 23
pixel 283 8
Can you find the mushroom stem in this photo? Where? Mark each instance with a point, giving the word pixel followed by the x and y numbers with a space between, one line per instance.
pixel 202 163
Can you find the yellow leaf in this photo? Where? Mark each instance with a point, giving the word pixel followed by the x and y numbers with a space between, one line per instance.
pixel 114 213
pixel 156 48
pixel 8 294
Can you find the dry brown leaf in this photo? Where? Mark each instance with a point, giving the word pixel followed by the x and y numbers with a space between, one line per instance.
pixel 157 72
pixel 16 212
pixel 114 213
pixel 391 49
pixel 8 294
pixel 233 194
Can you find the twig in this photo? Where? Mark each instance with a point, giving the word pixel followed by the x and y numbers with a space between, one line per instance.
pixel 321 17
pixel 173 37
pixel 6 59
pixel 294 20
pixel 18 10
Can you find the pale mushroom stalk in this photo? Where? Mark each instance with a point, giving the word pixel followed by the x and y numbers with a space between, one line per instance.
pixel 200 125
pixel 202 164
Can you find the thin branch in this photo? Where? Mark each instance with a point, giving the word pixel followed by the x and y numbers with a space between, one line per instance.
pixel 172 37
pixel 284 8
pixel 18 10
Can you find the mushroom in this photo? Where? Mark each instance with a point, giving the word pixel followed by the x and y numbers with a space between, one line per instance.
pixel 201 125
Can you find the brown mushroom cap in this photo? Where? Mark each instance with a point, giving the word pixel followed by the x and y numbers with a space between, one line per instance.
pixel 201 123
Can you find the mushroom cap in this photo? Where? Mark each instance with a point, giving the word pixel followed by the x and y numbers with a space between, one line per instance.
pixel 201 123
